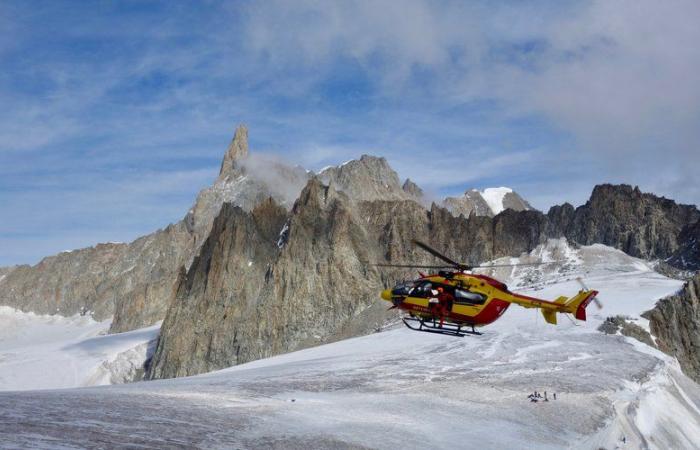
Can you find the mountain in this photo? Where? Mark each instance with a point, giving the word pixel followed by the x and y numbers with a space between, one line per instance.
pixel 640 224
pixel 272 258
pixel 134 282
pixel 413 189
pixel 367 178
pixel 306 280
pixel 489 202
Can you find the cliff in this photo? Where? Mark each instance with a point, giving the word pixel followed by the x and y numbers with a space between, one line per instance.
pixel 675 322
pixel 640 224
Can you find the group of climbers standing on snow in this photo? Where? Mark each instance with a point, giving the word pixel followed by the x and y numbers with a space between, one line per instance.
pixel 536 397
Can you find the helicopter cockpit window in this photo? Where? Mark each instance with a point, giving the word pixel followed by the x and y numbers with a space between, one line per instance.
pixel 402 288
pixel 423 289
pixel 472 298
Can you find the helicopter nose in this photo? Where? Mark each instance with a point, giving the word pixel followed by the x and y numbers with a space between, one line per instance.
pixel 386 294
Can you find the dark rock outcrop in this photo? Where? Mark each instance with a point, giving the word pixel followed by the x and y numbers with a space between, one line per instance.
pixel 641 225
pixel 626 327
pixel 687 257
pixel 513 200
pixel 675 322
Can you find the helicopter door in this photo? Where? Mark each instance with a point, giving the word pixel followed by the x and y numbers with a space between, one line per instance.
pixel 469 298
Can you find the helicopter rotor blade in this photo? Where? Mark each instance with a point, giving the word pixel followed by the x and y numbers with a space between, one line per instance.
pixel 439 255
pixel 414 266
pixel 514 265
pixel 583 285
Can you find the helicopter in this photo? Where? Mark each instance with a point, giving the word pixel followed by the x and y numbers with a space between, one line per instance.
pixel 455 301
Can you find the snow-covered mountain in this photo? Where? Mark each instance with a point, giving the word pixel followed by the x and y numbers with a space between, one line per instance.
pixel 489 202
pixel 404 389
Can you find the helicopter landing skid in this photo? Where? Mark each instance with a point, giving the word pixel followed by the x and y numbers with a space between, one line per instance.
pixel 433 326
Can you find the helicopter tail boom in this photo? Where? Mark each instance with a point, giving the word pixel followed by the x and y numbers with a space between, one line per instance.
pixel 576 305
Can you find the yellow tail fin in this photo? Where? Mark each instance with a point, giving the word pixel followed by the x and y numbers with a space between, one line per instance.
pixel 577 304
pixel 550 316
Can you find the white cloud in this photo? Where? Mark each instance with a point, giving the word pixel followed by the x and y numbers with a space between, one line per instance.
pixel 621 77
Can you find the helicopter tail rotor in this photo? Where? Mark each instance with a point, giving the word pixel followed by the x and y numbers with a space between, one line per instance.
pixel 597 302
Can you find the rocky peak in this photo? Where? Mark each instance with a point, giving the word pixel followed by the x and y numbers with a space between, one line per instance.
pixel 470 203
pixel 237 150
pixel 489 202
pixel 512 200
pixel 640 224
pixel 412 189
pixel 315 193
pixel 365 179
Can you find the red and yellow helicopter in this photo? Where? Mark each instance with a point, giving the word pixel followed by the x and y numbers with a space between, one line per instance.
pixel 455 299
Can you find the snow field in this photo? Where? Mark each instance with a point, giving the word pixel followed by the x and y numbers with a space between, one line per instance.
pixel 402 389
pixel 51 352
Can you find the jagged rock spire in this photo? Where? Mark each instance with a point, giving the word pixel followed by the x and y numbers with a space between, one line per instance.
pixel 237 149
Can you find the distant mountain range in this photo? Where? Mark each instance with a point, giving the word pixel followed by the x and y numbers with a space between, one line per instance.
pixel 273 258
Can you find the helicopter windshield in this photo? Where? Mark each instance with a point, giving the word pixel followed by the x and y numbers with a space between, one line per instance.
pixel 404 288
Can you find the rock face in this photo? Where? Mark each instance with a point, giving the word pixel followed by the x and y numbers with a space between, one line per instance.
pixel 687 256
pixel 470 203
pixel 490 202
pixel 412 189
pixel 215 306
pixel 237 150
pixel 129 281
pixel 675 322
pixel 266 283
pixel 512 200
pixel 5 270
pixel 244 180
pixel 369 178
pixel 641 225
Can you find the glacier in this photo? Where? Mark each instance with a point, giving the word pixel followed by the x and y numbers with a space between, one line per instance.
pixel 398 388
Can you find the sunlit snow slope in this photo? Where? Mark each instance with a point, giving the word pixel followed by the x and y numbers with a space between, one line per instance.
pixel 405 389
pixel 49 352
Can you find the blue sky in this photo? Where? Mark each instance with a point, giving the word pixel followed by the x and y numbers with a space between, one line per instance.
pixel 115 114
